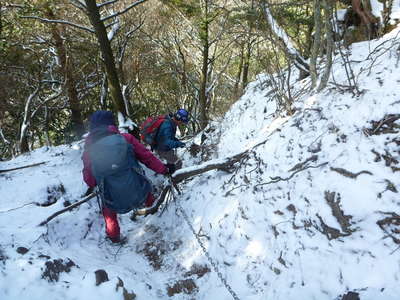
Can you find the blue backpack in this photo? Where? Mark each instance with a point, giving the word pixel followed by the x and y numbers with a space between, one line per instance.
pixel 121 181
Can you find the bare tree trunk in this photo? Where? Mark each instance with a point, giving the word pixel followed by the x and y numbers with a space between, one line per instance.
pixel 46 126
pixel 245 56
pixel 7 143
pixel 244 80
pixel 315 51
pixel 29 116
pixel 3 138
pixel 237 90
pixel 284 42
pixel 103 91
pixel 23 135
pixel 203 93
pixel 248 51
pixel 328 12
pixel 70 82
pixel 387 10
pixel 363 10
pixel 108 57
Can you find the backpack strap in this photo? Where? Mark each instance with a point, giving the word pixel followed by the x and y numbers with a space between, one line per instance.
pixel 156 125
pixel 103 200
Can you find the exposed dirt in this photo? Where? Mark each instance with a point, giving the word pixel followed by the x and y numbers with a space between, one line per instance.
pixel 187 286
pixel 55 267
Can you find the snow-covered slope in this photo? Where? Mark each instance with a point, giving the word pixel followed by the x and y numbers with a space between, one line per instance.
pixel 311 213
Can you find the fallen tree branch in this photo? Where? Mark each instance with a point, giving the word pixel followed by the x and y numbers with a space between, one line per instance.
pixel 385 126
pixel 68 208
pixel 349 174
pixel 330 232
pixel 303 164
pixel 333 199
pixel 225 164
pixel 278 178
pixel 390 225
pixel 18 168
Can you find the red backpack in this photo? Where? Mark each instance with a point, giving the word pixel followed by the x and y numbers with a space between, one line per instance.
pixel 149 129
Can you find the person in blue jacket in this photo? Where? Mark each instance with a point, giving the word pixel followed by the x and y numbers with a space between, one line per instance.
pixel 166 142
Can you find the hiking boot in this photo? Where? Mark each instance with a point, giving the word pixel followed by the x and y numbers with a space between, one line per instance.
pixel 120 240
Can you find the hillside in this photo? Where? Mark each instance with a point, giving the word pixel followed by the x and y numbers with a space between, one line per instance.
pixel 312 212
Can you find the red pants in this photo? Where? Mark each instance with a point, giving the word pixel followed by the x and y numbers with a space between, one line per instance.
pixel 111 219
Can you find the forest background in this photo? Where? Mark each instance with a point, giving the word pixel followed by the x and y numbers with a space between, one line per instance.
pixel 60 60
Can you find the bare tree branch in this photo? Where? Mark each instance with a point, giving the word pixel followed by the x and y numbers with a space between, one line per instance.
pixel 278 178
pixel 112 24
pixel 123 11
pixel 51 97
pixel 106 3
pixel 11 5
pixel 78 4
pixel 3 137
pixel 60 22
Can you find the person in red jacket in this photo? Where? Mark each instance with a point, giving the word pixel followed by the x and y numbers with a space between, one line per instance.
pixel 105 119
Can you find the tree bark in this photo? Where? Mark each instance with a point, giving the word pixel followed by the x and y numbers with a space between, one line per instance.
pixel 247 51
pixel 363 10
pixel 203 94
pixel 23 135
pixel 70 82
pixel 328 12
pixel 224 164
pixel 315 51
pixel 246 65
pixel 237 88
pixel 108 57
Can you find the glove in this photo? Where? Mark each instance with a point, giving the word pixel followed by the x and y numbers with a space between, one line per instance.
pixel 171 168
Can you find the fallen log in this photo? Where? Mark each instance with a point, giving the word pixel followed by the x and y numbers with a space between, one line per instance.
pixel 23 167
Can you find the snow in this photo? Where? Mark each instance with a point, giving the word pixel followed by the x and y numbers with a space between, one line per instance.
pixel 395 15
pixel 261 225
pixel 377 10
pixel 114 29
pixel 341 14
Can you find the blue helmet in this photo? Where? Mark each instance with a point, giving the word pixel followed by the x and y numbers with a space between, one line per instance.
pixel 182 115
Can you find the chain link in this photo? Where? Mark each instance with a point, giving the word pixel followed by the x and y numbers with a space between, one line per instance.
pixel 212 262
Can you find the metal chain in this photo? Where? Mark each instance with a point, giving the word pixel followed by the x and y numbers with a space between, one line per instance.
pixel 212 262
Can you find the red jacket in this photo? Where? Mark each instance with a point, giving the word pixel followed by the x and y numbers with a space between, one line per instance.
pixel 143 155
